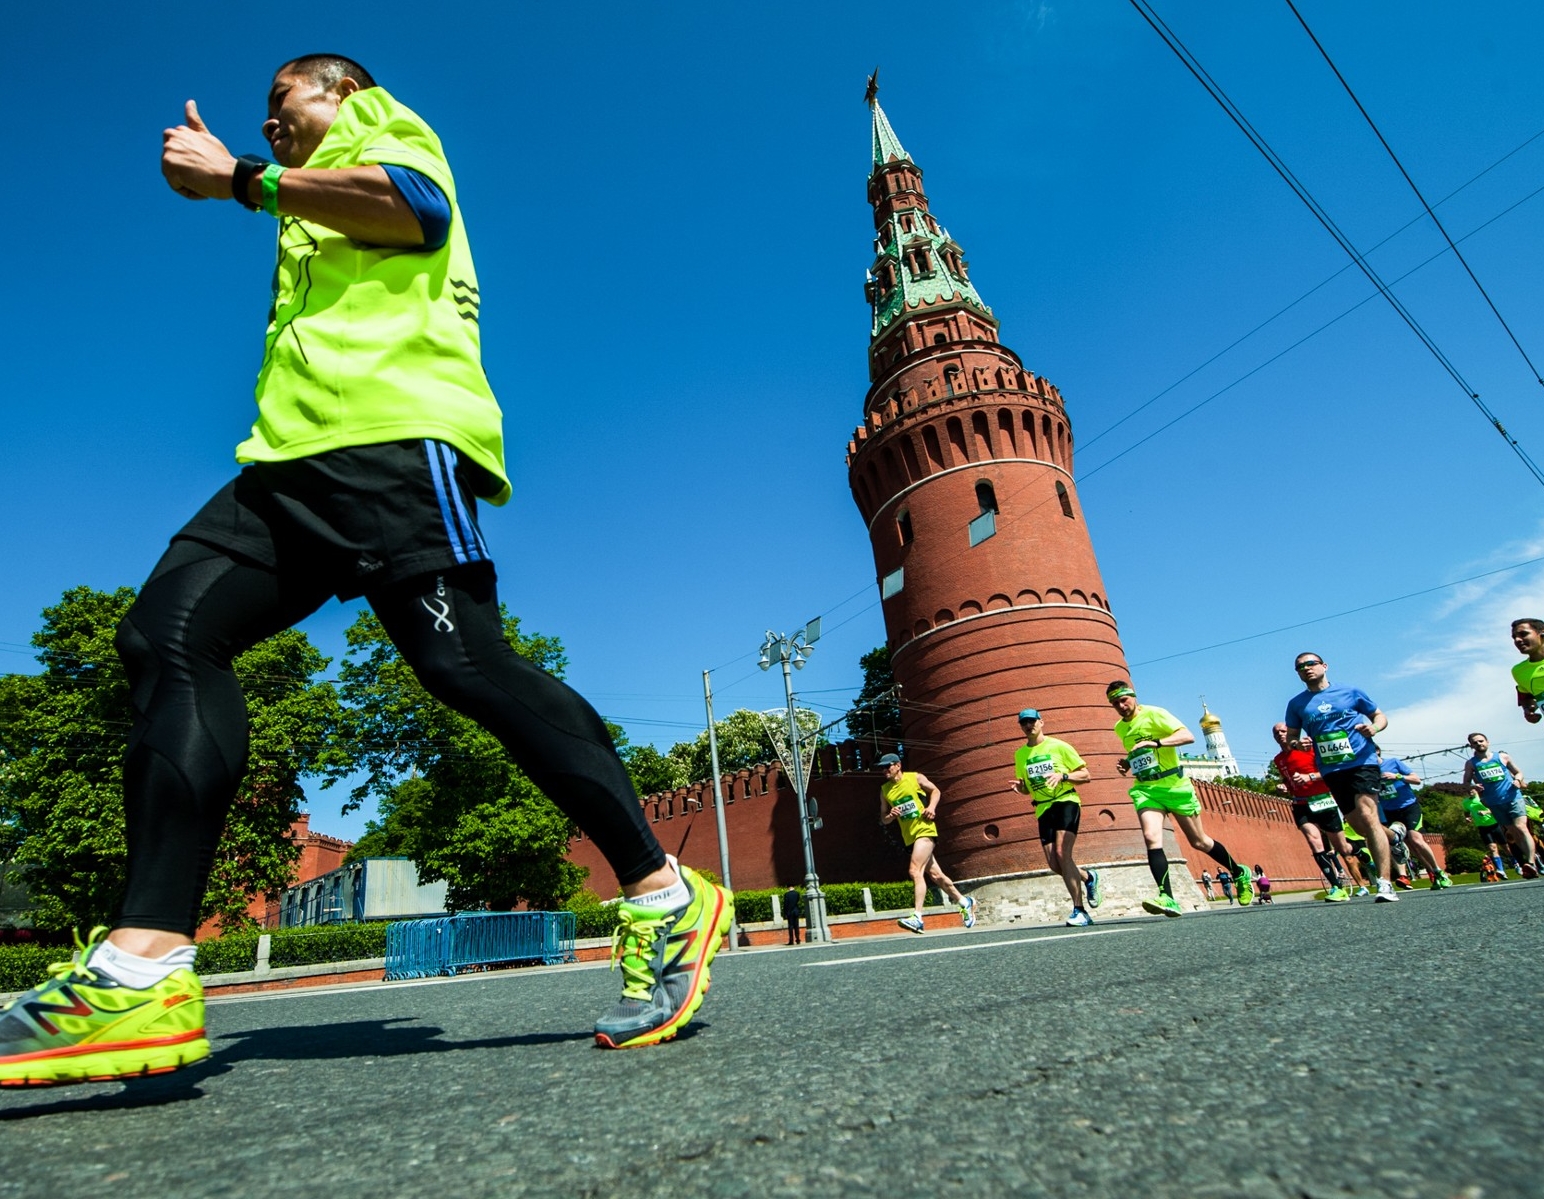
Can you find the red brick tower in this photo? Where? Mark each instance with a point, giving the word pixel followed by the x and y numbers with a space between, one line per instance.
pixel 993 602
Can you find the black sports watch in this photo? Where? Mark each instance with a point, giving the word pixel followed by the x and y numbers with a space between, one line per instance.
pixel 246 167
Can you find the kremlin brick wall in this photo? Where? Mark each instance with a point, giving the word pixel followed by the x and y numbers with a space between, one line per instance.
pixel 761 816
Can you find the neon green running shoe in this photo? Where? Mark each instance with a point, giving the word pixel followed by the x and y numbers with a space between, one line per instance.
pixel 1245 887
pixel 1164 905
pixel 1442 881
pixel 82 1026
pixel 665 958
pixel 1337 895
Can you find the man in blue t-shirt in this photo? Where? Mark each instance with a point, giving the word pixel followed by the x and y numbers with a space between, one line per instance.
pixel 1495 778
pixel 1341 723
pixel 1398 802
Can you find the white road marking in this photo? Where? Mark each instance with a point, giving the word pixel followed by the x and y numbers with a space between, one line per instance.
pixel 917 953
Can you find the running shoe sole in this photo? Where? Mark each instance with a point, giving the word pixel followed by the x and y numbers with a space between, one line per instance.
pixel 1158 909
pixel 104 1063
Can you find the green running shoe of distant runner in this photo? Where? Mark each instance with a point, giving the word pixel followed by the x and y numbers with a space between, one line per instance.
pixel 665 958
pixel 1337 895
pixel 1164 905
pixel 1245 888
pixel 82 1026
pixel 1093 887
pixel 1441 882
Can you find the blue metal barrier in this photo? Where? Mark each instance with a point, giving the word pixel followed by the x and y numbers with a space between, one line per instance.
pixel 450 944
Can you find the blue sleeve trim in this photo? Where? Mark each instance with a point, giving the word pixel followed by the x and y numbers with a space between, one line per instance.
pixel 427 201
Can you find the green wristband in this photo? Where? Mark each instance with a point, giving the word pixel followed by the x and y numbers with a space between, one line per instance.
pixel 271 175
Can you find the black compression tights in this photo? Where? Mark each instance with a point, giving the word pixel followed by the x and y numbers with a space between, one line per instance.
pixel 188 748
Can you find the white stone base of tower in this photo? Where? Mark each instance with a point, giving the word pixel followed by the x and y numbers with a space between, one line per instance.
pixel 1040 897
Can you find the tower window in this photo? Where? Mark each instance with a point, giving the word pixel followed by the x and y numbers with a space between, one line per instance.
pixel 985 525
pixel 892 583
pixel 952 380
pixel 903 526
pixel 939 339
pixel 1066 500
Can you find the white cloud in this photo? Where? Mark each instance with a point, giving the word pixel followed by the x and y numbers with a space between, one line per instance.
pixel 1460 680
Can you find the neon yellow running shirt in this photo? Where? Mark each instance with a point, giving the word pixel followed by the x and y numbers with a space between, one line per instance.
pixel 1032 763
pixel 906 794
pixel 1529 677
pixel 1155 770
pixel 368 344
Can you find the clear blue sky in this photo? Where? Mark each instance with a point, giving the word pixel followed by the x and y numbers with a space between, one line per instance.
pixel 667 208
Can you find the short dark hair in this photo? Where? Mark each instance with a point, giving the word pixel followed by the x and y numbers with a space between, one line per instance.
pixel 1533 622
pixel 1308 653
pixel 1117 685
pixel 1472 736
pixel 327 70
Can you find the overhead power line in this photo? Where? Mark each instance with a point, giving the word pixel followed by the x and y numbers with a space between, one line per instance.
pixel 1236 115
pixel 1371 124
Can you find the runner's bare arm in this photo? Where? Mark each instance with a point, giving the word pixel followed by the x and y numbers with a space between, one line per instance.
pixel 933 795
pixel 886 812
pixel 1517 775
pixel 358 202
pixel 1374 724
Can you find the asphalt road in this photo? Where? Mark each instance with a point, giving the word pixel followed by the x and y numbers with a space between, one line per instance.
pixel 1306 1050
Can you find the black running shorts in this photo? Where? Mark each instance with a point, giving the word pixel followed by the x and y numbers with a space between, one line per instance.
pixel 1346 785
pixel 1410 816
pixel 1329 818
pixel 357 518
pixel 1063 816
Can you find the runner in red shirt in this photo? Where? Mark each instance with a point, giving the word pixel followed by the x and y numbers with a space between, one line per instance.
pixel 1314 811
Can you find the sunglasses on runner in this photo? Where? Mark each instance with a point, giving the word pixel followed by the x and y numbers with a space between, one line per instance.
pixel 1306 665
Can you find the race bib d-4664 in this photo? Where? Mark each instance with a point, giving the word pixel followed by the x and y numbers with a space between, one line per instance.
pixel 1334 748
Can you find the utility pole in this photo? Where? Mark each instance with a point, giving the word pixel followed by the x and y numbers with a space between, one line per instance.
pixel 718 805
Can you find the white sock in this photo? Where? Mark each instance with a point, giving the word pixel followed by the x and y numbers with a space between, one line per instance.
pixel 134 971
pixel 678 895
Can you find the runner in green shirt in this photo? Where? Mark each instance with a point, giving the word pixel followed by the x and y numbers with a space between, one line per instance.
pixel 1528 637
pixel 1160 789
pixel 1045 768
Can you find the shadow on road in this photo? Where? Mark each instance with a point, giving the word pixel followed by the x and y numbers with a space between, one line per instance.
pixel 397 1037
pixel 142 1092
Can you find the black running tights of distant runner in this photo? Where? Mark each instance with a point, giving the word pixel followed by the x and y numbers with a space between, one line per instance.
pixel 187 749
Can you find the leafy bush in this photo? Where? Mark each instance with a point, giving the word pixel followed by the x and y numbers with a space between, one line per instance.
pixel 230 954
pixel 594 917
pixel 22 967
pixel 842 899
pixel 329 943
pixel 1464 860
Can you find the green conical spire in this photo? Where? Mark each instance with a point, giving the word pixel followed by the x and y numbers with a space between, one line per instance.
pixel 887 147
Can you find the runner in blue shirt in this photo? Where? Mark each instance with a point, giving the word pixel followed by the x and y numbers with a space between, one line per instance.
pixel 1495 778
pixel 1400 804
pixel 1341 722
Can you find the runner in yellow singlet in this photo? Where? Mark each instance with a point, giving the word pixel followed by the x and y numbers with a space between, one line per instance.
pixel 1160 788
pixel 901 798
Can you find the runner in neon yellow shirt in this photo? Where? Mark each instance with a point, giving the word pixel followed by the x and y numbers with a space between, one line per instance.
pixel 376 435
pixel 901 799
pixel 1159 789
pixel 1045 769
pixel 1528 637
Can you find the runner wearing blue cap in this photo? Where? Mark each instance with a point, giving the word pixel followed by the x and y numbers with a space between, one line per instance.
pixel 1045 769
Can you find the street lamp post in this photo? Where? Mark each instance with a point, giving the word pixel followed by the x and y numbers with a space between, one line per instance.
pixel 792 651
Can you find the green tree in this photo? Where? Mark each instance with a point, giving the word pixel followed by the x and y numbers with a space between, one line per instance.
pixel 742 742
pixel 464 812
pixel 875 715
pixel 63 733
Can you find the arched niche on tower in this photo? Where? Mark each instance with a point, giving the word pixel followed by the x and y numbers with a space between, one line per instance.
pixel 1005 429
